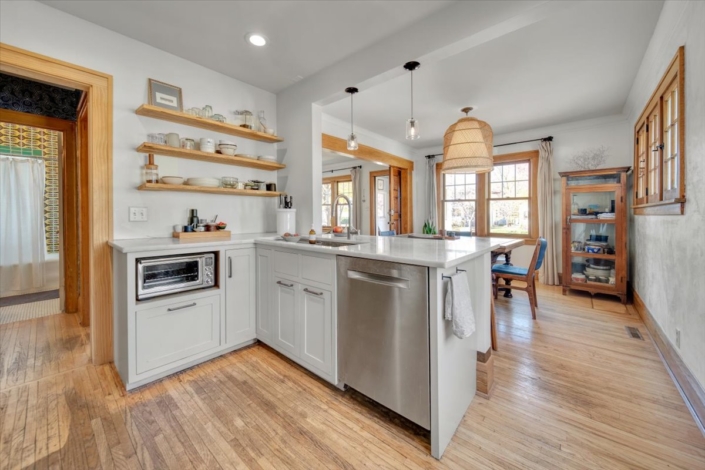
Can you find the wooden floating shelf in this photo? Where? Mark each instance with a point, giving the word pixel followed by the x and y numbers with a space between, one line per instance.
pixel 203 123
pixel 591 221
pixel 204 189
pixel 584 254
pixel 157 149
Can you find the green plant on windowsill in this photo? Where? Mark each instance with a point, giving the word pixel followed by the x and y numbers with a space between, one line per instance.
pixel 429 228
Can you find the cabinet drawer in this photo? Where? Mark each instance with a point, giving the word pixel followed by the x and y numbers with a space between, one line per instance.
pixel 317 269
pixel 171 333
pixel 286 263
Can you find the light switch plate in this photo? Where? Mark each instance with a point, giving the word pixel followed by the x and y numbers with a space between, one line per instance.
pixel 138 214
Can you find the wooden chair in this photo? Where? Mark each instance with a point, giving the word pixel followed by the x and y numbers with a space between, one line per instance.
pixel 527 275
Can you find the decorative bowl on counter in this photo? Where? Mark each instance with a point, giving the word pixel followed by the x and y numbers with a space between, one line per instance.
pixel 172 180
pixel 288 237
pixel 221 225
pixel 229 181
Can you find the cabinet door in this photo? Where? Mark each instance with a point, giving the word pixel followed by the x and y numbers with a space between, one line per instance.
pixel 240 296
pixel 176 333
pixel 284 316
pixel 264 294
pixel 317 328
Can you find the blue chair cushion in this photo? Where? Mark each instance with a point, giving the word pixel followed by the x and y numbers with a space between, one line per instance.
pixel 506 269
pixel 387 233
pixel 542 252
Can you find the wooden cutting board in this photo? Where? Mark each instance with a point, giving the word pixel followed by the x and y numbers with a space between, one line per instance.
pixel 201 235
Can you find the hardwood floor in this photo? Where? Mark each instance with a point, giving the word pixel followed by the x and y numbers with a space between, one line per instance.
pixel 573 391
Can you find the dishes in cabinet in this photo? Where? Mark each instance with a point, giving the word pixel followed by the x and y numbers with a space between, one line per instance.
pixel 172 180
pixel 204 181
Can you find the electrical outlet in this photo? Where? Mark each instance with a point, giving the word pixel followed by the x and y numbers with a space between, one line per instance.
pixel 678 338
pixel 138 214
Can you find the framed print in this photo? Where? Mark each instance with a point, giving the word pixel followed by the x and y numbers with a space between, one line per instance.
pixel 380 184
pixel 165 96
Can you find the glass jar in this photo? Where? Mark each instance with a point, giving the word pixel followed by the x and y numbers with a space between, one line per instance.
pixel 246 119
pixel 207 111
pixel 150 174
pixel 188 144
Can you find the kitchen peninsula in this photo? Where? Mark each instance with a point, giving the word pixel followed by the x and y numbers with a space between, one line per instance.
pixel 286 296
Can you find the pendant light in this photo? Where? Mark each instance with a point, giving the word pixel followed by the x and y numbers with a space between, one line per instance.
pixel 412 125
pixel 352 140
pixel 467 146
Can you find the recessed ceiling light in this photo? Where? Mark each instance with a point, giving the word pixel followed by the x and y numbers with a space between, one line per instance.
pixel 256 39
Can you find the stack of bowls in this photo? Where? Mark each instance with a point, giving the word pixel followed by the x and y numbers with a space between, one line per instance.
pixel 227 147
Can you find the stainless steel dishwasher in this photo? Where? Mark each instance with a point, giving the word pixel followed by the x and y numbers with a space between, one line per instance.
pixel 383 334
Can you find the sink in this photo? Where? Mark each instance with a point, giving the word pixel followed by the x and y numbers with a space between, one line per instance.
pixel 332 243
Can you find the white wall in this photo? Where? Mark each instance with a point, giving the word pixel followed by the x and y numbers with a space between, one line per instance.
pixel 668 252
pixel 36 27
pixel 568 139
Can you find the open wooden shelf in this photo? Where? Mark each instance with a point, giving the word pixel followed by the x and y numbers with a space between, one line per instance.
pixel 204 189
pixel 591 221
pixel 203 123
pixel 157 149
pixel 583 254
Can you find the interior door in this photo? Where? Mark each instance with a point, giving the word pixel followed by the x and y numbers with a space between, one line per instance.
pixel 395 199
pixel 82 229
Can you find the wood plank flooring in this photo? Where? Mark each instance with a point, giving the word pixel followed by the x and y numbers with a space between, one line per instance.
pixel 573 392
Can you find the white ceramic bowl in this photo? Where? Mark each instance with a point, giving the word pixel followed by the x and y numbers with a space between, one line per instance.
pixel 207 182
pixel 291 239
pixel 172 180
pixel 227 142
pixel 227 150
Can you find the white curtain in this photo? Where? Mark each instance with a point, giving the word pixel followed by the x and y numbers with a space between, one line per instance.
pixel 356 216
pixel 431 195
pixel 22 241
pixel 547 221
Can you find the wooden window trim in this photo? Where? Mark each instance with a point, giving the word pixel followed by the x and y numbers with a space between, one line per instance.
pixel 334 180
pixel 671 202
pixel 482 199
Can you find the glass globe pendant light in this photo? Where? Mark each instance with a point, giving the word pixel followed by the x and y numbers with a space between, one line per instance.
pixel 352 140
pixel 412 125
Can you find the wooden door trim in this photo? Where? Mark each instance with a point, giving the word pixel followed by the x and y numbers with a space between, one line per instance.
pixel 99 200
pixel 364 152
pixel 68 235
pixel 373 199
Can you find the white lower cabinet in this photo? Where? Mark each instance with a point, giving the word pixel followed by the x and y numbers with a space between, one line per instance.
pixel 297 318
pixel 286 336
pixel 175 333
pixel 316 328
pixel 240 296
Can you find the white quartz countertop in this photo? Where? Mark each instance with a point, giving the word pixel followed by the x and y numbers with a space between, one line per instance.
pixel 431 253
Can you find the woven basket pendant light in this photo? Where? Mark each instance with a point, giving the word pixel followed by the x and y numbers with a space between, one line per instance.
pixel 467 146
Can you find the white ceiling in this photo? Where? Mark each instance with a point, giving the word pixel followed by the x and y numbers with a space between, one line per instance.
pixel 333 158
pixel 304 36
pixel 577 64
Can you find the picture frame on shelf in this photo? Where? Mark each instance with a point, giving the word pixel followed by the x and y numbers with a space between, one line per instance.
pixel 165 96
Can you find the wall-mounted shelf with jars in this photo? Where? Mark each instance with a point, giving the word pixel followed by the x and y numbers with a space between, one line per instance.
pixel 158 149
pixel 156 112
pixel 205 189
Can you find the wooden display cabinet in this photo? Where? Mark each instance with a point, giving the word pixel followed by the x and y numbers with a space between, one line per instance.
pixel 595 243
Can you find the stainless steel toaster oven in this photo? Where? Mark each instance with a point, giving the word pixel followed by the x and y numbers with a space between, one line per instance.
pixel 171 274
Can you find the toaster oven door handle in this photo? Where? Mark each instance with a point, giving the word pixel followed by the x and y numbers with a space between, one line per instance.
pixel 172 309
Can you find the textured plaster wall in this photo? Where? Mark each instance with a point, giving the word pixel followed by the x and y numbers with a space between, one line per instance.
pixel 668 252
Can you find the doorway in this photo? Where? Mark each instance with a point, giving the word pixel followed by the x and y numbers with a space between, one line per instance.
pixel 38 216
pixel 379 202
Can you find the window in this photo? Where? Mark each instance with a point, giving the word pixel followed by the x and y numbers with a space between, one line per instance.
pixel 332 188
pixel 503 202
pixel 658 147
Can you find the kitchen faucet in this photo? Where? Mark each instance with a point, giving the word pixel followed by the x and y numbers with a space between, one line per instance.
pixel 335 210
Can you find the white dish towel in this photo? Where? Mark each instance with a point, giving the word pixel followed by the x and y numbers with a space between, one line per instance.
pixel 458 307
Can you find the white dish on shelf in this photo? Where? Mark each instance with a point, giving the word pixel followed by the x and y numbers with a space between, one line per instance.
pixel 206 182
pixel 172 180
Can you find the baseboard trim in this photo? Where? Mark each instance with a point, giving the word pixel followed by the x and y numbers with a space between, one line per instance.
pixel 689 388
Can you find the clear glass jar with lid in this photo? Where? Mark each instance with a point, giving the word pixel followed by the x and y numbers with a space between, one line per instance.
pixel 150 173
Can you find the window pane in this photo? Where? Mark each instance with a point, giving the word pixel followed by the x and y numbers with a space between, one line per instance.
pixel 343 215
pixel 470 191
pixel 459 178
pixel 326 216
pixel 460 192
pixel 326 193
pixel 496 190
pixel 450 178
pixel 450 192
pixel 508 189
pixel 345 187
pixel 508 172
pixel 509 217
pixel 522 188
pixel 459 216
pixel 496 173
pixel 522 171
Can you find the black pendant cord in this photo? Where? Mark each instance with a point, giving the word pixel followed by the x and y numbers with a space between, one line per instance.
pixel 351 115
pixel 542 139
pixel 412 94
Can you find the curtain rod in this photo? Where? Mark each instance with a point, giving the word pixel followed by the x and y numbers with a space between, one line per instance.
pixel 542 139
pixel 342 169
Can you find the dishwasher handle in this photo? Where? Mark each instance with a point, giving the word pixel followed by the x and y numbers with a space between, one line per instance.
pixel 379 279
